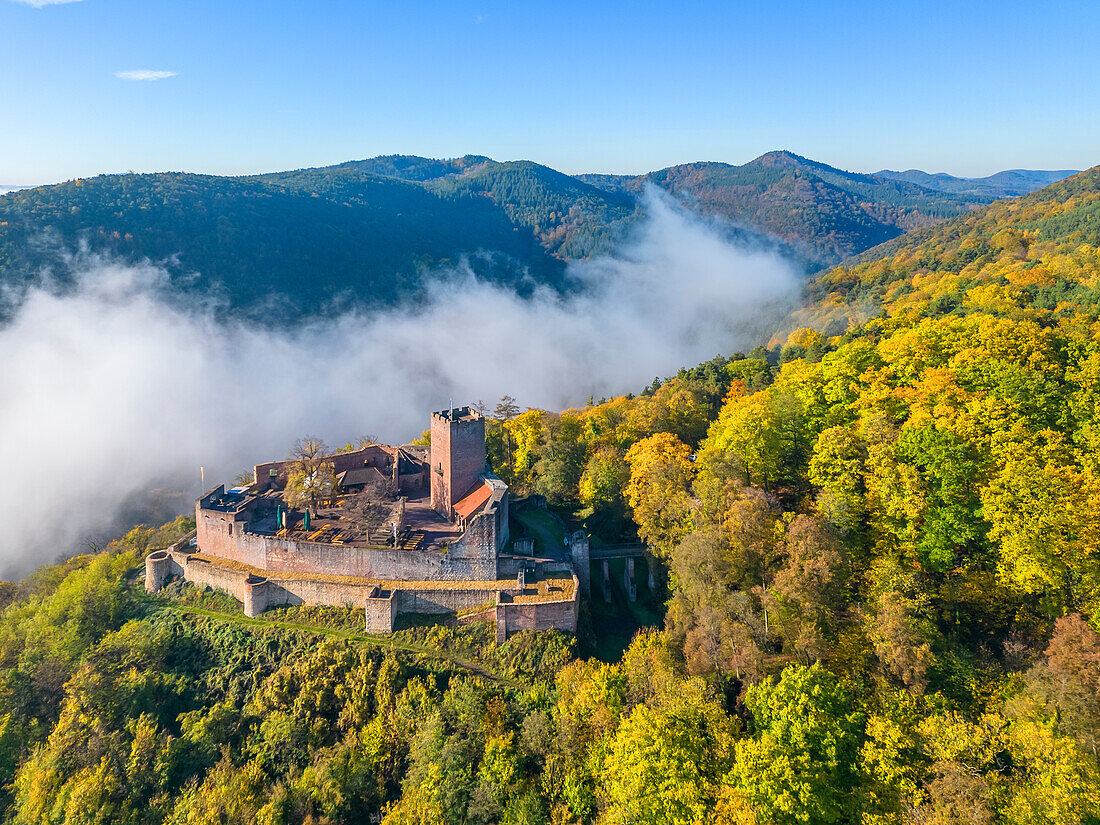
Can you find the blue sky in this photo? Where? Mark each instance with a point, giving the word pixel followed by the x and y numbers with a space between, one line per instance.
pixel 966 88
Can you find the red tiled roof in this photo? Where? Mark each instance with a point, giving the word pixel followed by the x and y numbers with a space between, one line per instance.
pixel 470 504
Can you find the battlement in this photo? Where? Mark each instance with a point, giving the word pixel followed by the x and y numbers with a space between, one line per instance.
pixel 456 414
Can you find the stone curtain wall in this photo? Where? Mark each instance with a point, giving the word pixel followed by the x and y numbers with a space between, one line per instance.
pixel 478 544
pixel 257 593
pixel 435 602
pixel 219 536
pixel 512 617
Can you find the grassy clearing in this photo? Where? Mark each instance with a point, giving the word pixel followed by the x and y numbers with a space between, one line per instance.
pixel 548 532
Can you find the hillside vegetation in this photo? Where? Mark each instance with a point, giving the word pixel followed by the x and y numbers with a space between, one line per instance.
pixel 365 232
pixel 297 241
pixel 826 213
pixel 880 557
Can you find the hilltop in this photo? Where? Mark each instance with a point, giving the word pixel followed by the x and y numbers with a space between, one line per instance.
pixel 297 240
pixel 827 213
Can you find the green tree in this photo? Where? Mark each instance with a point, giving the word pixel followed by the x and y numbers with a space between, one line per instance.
pixel 800 766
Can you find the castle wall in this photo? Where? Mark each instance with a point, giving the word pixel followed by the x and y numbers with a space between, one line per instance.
pixel 512 617
pixel 220 578
pixel 219 533
pixel 412 482
pixel 435 602
pixel 257 593
pixel 478 541
pixel 218 536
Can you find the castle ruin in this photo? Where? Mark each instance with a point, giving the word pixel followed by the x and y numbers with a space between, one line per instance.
pixel 408 529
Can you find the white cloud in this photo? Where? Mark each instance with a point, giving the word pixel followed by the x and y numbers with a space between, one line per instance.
pixel 40 3
pixel 112 397
pixel 140 74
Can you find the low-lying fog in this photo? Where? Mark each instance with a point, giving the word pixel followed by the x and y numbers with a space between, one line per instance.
pixel 112 396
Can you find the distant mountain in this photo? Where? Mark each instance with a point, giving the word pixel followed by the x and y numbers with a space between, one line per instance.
pixel 1008 184
pixel 826 213
pixel 1015 257
pixel 299 240
pixel 570 218
pixel 366 231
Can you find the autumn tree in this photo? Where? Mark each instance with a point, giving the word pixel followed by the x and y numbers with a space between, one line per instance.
pixel 807 592
pixel 1068 676
pixel 659 491
pixel 310 478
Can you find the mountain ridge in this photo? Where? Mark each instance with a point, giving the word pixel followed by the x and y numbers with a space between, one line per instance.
pixel 1008 183
pixel 366 231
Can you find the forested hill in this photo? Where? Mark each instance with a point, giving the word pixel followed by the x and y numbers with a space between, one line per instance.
pixel 826 212
pixel 366 231
pixel 1010 183
pixel 569 218
pixel 877 558
pixel 299 240
pixel 1039 242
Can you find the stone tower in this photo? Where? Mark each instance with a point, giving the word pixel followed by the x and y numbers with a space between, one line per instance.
pixel 458 456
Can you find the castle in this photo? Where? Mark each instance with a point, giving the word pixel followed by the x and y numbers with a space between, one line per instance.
pixel 408 529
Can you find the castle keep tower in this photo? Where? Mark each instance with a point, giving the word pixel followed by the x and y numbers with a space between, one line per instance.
pixel 457 457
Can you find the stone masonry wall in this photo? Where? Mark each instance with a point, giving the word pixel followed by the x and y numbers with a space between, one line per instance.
pixel 442 601
pixel 276 555
pixel 512 617
pixel 479 539
pixel 257 593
